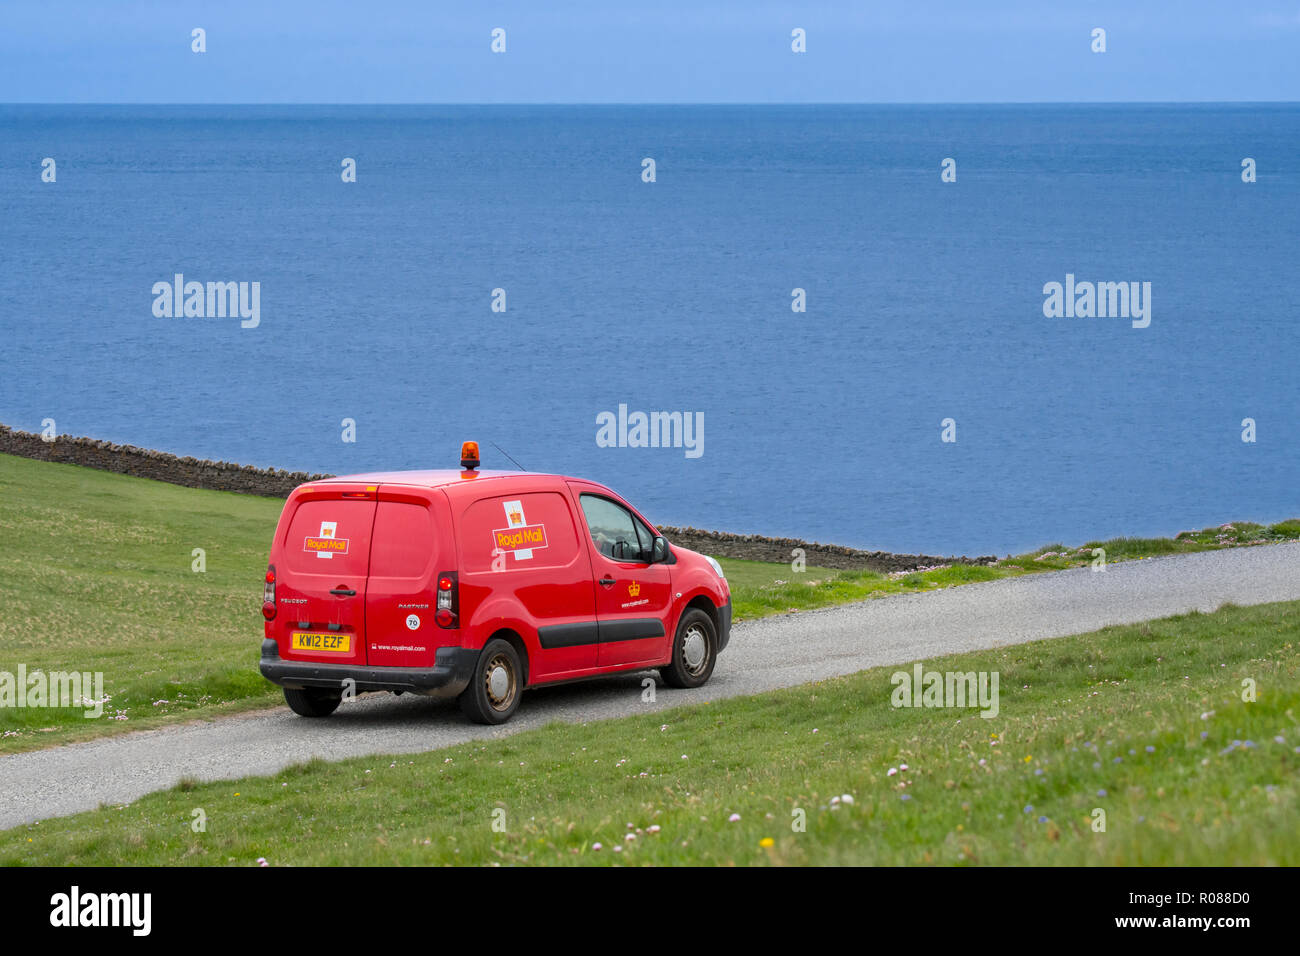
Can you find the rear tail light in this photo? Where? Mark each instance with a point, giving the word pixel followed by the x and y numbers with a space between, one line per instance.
pixel 268 594
pixel 448 604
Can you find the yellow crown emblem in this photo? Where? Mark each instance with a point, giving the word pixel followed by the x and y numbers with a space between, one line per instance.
pixel 634 589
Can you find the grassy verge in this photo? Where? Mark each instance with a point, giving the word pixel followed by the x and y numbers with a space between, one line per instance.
pixel 1145 724
pixel 98 572
pixel 99 577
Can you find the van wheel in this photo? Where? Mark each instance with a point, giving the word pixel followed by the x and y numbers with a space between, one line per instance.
pixel 312 702
pixel 493 693
pixel 695 650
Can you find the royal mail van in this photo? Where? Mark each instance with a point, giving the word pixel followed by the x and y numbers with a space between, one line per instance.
pixel 478 584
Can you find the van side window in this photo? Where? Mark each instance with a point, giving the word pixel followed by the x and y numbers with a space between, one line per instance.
pixel 645 537
pixel 616 532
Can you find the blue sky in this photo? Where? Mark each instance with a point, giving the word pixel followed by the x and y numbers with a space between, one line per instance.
pixel 659 51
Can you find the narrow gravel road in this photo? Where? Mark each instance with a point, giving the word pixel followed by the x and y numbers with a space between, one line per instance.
pixel 766 654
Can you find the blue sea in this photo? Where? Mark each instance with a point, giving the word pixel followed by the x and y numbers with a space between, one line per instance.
pixel 924 302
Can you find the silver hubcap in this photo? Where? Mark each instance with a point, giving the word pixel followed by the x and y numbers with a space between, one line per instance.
pixel 695 647
pixel 499 683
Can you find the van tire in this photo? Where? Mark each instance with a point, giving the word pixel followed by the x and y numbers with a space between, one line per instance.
pixel 311 701
pixel 694 626
pixel 480 703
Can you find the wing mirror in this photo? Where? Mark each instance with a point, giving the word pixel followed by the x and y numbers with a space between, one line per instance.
pixel 627 551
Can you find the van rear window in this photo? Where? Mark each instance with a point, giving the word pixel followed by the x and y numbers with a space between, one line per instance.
pixel 330 536
pixel 403 541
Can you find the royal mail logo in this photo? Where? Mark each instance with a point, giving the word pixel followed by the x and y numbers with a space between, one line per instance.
pixel 526 538
pixel 327 543
pixel 633 589
pixel 519 537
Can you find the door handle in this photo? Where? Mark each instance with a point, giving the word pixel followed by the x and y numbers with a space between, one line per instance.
pixel 607 582
pixel 343 592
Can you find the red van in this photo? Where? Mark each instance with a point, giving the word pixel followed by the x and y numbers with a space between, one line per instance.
pixel 478 584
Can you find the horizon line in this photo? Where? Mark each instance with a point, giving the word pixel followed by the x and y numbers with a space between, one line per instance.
pixel 1277 102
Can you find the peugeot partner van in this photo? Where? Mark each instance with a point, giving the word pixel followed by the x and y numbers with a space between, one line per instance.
pixel 478 584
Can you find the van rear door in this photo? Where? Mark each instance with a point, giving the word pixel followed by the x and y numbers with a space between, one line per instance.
pixel 412 544
pixel 321 574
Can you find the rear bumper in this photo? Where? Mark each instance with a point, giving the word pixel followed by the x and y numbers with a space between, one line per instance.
pixel 448 677
pixel 724 625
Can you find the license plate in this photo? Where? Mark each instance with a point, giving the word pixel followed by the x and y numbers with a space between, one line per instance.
pixel 327 642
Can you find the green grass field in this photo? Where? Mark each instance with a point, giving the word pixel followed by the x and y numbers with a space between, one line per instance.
pixel 98 572
pixel 99 578
pixel 1146 724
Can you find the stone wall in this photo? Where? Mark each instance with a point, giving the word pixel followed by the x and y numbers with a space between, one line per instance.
pixel 753 547
pixel 273 483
